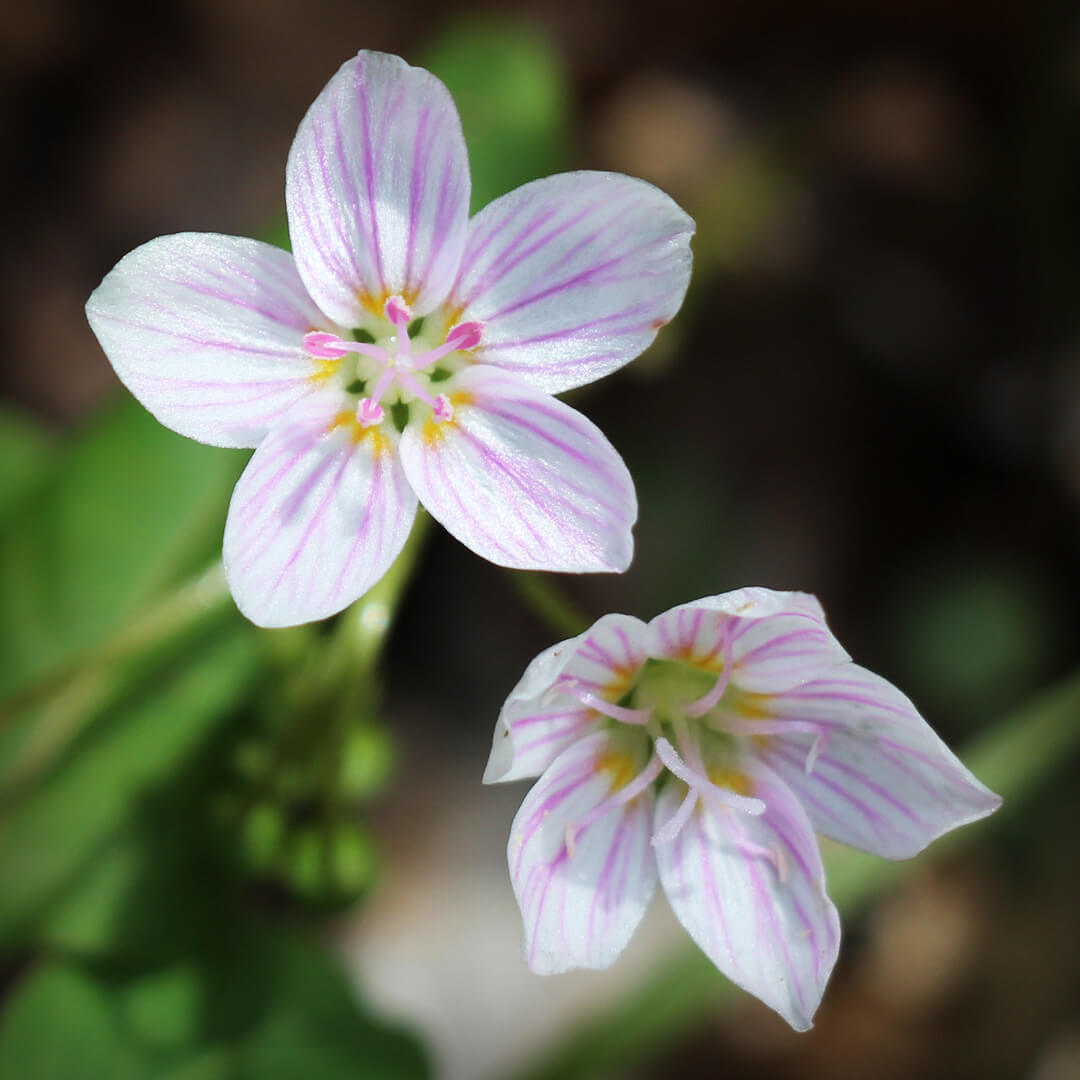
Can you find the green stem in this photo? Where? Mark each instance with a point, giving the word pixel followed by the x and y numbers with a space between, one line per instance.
pixel 549 603
pixel 1014 758
pixel 203 597
pixel 54 712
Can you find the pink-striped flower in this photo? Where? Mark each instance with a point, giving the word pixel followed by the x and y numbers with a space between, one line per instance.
pixel 706 747
pixel 403 351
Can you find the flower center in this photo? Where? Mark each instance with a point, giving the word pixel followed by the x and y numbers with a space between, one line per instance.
pixel 701 726
pixel 389 370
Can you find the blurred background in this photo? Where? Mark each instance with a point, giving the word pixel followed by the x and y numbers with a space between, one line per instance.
pixel 215 842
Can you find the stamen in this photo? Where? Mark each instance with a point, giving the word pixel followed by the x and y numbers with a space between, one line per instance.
pixel 465 335
pixel 737 726
pixel 462 336
pixel 408 380
pixel 383 383
pixel 443 410
pixel 705 787
pixel 705 703
pixel 674 824
pixel 369 413
pixel 398 312
pixel 630 791
pixel 771 854
pixel 592 701
pixel 327 346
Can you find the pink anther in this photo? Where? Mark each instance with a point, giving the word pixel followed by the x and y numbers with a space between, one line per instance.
pixel 369 413
pixel 465 335
pixel 442 410
pixel 398 312
pixel 324 345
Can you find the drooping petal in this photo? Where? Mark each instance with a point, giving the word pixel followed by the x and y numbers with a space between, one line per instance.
pixel 751 892
pixel 581 903
pixel 377 189
pixel 776 639
pixel 573 275
pixel 318 516
pixel 522 479
pixel 207 331
pixel 879 778
pixel 546 712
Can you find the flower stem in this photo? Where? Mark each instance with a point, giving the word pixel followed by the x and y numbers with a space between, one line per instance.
pixel 549 603
pixel 57 709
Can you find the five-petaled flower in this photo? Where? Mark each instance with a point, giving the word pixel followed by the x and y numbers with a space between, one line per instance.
pixel 705 747
pixel 403 351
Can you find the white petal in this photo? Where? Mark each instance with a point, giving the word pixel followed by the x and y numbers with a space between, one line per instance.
pixel 318 516
pixel 881 779
pixel 377 189
pixel 580 909
pixel 777 639
pixel 207 332
pixel 541 717
pixel 751 892
pixel 522 479
pixel 573 275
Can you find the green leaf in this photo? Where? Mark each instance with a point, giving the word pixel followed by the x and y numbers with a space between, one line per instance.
pixel 59 1026
pixel 313 1027
pixel 511 92
pixel 63 824
pixel 129 509
pixel 297 1017
pixel 27 451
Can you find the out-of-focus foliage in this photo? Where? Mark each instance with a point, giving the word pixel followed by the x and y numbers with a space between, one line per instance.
pixel 510 90
pixel 261 1004
pixel 26 451
pixel 126 511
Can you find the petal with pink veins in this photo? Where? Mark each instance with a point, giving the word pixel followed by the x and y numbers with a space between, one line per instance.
pixel 582 890
pixel 879 779
pixel 775 639
pixel 751 892
pixel 573 275
pixel 319 515
pixel 207 332
pixel 546 712
pixel 522 479
pixel 377 189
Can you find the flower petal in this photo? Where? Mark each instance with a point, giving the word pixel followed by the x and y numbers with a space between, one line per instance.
pixel 581 909
pixel 541 718
pixel 523 479
pixel 377 189
pixel 880 779
pixel 318 516
pixel 573 275
pixel 777 639
pixel 751 892
pixel 207 332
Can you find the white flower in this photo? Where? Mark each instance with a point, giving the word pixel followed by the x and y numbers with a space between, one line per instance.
pixel 705 748
pixel 405 353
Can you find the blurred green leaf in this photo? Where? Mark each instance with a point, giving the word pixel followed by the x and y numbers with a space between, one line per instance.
pixel 27 451
pixel 972 634
pixel 130 508
pixel 299 1018
pixel 511 92
pixel 48 836
pixel 313 1027
pixel 59 1026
